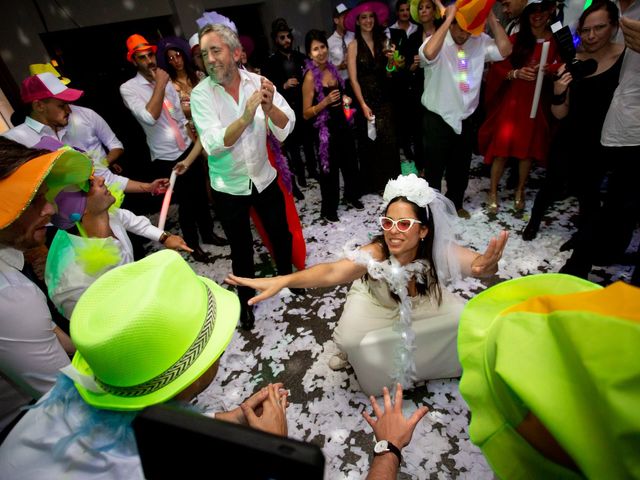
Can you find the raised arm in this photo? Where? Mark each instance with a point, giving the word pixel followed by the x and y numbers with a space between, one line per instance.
pixel 479 265
pixel 434 45
pixel 391 425
pixel 320 275
pixel 308 109
pixel 214 135
pixel 499 35
pixel 271 106
pixel 154 105
pixel 560 100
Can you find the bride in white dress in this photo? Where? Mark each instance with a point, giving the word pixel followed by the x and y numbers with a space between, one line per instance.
pixel 399 323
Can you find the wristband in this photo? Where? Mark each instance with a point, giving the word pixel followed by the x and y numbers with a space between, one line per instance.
pixel 163 237
pixel 558 99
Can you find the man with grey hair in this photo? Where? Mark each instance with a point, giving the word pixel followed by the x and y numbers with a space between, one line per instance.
pixel 234 110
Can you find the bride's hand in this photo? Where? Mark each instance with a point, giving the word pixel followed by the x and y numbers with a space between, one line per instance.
pixel 267 287
pixel 487 264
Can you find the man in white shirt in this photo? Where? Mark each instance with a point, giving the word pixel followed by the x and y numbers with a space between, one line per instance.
pixel 155 104
pixel 403 16
pixel 32 347
pixel 233 111
pixel 147 333
pixel 339 41
pixel 452 76
pixel 52 115
pixel 104 230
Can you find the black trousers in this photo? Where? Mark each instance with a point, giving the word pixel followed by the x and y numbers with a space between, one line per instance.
pixel 615 221
pixel 342 158
pixel 191 195
pixel 233 213
pixel 447 154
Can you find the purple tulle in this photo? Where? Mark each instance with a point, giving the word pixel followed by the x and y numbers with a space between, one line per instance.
pixel 321 119
pixel 282 166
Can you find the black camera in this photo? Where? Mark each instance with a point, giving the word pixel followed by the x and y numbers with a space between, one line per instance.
pixel 564 39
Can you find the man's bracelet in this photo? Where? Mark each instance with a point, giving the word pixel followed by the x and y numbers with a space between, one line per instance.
pixel 512 75
pixel 163 237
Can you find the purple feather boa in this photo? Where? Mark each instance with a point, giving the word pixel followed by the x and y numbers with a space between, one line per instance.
pixel 282 166
pixel 322 118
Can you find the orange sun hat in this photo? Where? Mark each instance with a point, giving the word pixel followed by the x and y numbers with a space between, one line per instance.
pixel 60 169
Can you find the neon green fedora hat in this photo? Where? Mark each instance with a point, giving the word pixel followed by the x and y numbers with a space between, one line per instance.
pixel 566 351
pixel 147 330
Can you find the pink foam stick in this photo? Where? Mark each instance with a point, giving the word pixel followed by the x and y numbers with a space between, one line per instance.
pixel 167 201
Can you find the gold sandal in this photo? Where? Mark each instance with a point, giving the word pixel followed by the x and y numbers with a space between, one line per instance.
pixel 492 203
pixel 518 203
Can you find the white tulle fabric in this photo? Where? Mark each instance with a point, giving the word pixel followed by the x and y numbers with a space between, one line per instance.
pixel 418 191
pixel 397 277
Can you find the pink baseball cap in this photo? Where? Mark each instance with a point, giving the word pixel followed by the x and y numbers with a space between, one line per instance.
pixel 47 85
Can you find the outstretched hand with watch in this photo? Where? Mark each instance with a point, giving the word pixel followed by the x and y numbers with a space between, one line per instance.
pixel 392 431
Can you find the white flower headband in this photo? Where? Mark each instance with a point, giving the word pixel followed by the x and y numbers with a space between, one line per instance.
pixel 412 187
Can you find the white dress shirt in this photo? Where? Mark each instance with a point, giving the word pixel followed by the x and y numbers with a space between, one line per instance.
pixel 86 130
pixel 161 139
pixel 67 281
pixel 412 28
pixel 622 124
pixel 337 50
pixel 28 451
pixel 234 169
pixel 30 353
pixel 442 93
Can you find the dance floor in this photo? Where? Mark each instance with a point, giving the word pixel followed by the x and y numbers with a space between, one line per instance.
pixel 292 342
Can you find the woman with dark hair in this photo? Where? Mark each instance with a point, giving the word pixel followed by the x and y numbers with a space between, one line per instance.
pixel 399 322
pixel 174 56
pixel 368 59
pixel 582 104
pixel 508 131
pixel 324 101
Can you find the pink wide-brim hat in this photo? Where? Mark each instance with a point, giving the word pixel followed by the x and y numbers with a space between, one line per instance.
pixel 380 9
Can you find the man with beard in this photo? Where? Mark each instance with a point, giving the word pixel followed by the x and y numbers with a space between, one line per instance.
pixel 233 111
pixel 155 104
pixel 32 347
pixel 511 10
pixel 284 68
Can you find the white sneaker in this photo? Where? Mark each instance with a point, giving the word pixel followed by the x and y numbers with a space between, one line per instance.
pixel 338 361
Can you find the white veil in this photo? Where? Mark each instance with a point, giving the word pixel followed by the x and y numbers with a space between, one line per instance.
pixel 418 191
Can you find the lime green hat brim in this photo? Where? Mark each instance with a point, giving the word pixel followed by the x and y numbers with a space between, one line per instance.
pixel 71 170
pixel 413 9
pixel 495 410
pixel 227 314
